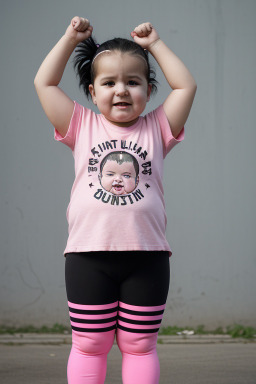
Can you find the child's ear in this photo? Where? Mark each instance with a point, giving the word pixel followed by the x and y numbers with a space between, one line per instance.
pixel 137 181
pixel 92 92
pixel 149 91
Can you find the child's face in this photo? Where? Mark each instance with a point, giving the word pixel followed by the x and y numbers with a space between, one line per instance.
pixel 120 88
pixel 119 179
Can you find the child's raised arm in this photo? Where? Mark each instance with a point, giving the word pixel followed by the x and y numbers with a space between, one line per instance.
pixel 56 104
pixel 178 104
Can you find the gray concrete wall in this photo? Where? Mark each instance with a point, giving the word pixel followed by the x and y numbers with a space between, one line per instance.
pixel 210 183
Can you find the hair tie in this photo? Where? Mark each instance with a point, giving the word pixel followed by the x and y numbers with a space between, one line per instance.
pixel 97 45
pixel 105 50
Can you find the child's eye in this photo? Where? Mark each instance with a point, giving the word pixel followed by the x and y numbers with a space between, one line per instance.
pixel 132 82
pixel 127 176
pixel 109 83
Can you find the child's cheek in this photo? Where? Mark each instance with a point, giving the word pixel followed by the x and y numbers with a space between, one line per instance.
pixel 130 185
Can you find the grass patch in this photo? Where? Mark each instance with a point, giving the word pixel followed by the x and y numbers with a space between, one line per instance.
pixel 236 330
pixel 172 330
pixel 55 328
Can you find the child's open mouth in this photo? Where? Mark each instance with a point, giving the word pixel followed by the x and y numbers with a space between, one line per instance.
pixel 118 187
pixel 122 105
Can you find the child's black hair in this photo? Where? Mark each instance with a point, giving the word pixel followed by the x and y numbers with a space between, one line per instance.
pixel 88 49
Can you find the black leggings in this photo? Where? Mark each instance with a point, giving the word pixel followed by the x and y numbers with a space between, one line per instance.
pixel 120 294
pixel 137 278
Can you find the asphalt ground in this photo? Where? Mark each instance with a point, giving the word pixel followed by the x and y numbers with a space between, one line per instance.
pixel 42 359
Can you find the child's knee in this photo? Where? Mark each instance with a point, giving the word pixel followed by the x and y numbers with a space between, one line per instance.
pixel 136 343
pixel 93 343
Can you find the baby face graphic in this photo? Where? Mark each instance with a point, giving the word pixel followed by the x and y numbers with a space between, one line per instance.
pixel 118 175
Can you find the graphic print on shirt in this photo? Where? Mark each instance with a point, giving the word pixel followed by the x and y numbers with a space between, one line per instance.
pixel 118 172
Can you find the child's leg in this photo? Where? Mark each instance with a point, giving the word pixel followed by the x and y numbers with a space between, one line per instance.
pixel 143 297
pixel 92 338
pixel 140 363
pixel 93 310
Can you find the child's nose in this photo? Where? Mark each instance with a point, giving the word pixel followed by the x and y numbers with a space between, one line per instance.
pixel 118 178
pixel 121 90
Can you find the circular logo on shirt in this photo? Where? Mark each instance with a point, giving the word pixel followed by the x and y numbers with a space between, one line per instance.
pixel 114 172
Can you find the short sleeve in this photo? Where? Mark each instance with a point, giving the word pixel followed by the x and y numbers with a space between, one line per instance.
pixel 74 127
pixel 168 140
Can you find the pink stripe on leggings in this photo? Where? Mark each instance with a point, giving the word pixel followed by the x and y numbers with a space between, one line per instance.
pixel 136 326
pixel 140 318
pixel 93 317
pixel 142 309
pixel 92 307
pixel 81 325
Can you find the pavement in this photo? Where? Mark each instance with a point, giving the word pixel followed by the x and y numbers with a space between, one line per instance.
pixel 184 359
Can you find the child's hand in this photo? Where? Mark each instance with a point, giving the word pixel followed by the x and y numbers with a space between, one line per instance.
pixel 79 29
pixel 145 35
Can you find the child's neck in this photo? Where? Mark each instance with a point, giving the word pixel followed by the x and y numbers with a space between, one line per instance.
pixel 123 124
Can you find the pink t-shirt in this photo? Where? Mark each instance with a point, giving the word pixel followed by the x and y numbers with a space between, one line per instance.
pixel 117 199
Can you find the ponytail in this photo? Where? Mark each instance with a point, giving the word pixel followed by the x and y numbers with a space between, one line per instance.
pixel 85 52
